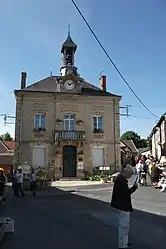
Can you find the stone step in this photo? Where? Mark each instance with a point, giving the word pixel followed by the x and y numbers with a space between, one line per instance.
pixel 70 179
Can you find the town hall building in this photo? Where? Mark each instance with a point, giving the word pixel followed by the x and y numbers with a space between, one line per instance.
pixel 65 123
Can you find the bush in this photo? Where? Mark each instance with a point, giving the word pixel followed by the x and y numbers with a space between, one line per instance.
pixel 95 178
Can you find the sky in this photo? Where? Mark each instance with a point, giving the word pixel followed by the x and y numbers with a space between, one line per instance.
pixel 133 33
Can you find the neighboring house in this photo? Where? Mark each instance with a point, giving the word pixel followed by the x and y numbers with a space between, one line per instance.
pixel 6 155
pixel 144 151
pixel 131 146
pixel 128 149
pixel 66 123
pixel 158 136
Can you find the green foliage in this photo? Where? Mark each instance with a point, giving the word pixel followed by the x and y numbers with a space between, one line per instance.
pixel 7 137
pixel 138 141
pixel 95 178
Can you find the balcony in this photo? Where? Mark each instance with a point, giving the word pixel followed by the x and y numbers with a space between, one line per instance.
pixel 70 135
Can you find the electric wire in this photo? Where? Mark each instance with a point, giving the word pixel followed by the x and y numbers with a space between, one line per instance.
pixel 112 62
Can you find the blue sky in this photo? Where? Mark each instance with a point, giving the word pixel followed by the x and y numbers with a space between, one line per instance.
pixel 133 32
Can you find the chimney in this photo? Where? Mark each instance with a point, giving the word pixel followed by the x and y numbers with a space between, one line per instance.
pixel 23 79
pixel 103 83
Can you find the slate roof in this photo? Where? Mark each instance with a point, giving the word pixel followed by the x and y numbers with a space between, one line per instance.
pixel 130 144
pixel 142 150
pixel 49 85
pixel 69 44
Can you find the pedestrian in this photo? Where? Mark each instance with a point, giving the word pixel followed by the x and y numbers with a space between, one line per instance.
pixel 139 168
pixel 155 174
pixel 14 179
pixel 20 179
pixel 144 173
pixel 2 186
pixel 33 182
pixel 133 161
pixel 121 200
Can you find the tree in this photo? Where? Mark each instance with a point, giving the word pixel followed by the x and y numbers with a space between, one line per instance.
pixel 6 137
pixel 137 140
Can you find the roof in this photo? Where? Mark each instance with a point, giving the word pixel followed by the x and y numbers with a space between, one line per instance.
pixel 10 144
pixel 142 150
pixel 130 144
pixel 162 118
pixel 6 146
pixel 69 43
pixel 95 92
pixel 49 85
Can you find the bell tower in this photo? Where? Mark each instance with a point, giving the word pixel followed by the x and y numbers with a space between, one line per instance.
pixel 68 51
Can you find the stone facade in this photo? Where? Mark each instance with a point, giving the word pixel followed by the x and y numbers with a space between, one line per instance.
pixel 50 97
pixel 84 108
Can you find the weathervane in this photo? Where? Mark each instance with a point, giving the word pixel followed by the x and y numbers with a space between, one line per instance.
pixel 69 26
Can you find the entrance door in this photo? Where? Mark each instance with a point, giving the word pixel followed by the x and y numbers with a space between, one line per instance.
pixel 69 161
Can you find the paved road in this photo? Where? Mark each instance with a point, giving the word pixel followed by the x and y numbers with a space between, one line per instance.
pixel 145 199
pixel 63 220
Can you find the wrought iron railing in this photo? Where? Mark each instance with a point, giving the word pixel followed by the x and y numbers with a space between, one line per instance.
pixel 70 135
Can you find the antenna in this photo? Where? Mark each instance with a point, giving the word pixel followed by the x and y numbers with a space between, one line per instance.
pixel 101 72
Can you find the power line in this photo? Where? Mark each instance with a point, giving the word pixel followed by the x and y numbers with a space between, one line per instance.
pixel 126 108
pixel 112 62
pixel 133 116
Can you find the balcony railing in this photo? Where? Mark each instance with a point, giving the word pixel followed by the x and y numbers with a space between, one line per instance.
pixel 70 135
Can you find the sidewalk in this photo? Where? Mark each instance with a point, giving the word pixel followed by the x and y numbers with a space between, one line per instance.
pixel 64 184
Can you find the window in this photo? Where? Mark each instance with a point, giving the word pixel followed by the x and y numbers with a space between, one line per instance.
pixel 97 124
pixel 39 154
pixel 39 121
pixel 69 122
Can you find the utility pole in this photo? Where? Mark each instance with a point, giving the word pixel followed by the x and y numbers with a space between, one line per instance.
pixel 126 108
pixel 114 132
pixel 6 117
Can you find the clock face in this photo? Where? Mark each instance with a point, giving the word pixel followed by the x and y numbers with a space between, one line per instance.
pixel 69 84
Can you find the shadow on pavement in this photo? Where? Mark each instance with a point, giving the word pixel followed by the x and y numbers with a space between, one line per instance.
pixel 65 220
